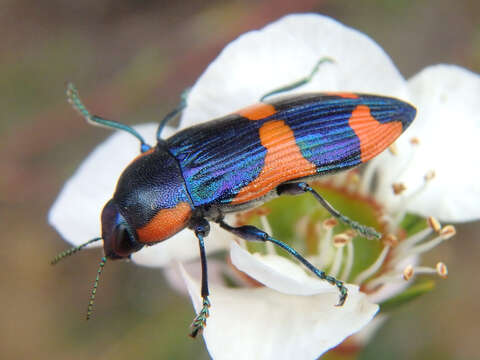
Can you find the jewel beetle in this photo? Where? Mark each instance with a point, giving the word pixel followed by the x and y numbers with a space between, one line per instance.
pixel 238 162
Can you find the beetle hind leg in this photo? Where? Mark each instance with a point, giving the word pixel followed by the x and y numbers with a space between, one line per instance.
pixel 301 187
pixel 251 233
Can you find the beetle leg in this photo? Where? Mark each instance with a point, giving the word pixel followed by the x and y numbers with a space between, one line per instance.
pixel 301 187
pixel 251 233
pixel 174 113
pixel 300 82
pixel 201 229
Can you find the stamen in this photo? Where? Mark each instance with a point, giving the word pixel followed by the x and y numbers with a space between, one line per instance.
pixel 330 223
pixel 408 272
pixel 351 233
pixel 340 240
pixel 415 141
pixel 352 181
pixel 434 224
pixel 349 262
pixel 368 176
pixel 430 175
pixel 325 233
pixel 270 247
pixel 337 262
pixel 372 269
pixel 442 270
pixel 390 240
pixel 393 149
pixel 427 246
pixel 403 208
pixel 448 232
pixel 390 277
pixel 406 244
pixel 398 188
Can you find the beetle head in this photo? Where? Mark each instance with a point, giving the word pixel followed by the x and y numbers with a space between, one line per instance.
pixel 119 238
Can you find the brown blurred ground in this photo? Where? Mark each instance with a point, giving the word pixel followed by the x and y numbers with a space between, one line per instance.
pixel 131 59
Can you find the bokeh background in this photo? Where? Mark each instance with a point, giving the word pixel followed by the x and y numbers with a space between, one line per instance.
pixel 131 59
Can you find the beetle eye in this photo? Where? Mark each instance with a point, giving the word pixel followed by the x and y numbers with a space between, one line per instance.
pixel 125 243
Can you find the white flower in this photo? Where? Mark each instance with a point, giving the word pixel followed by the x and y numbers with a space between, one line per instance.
pixel 294 312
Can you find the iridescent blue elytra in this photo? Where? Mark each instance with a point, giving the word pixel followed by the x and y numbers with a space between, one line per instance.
pixel 220 157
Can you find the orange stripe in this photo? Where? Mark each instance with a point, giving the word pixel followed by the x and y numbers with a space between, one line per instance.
pixel 167 222
pixel 374 136
pixel 257 111
pixel 345 95
pixel 283 162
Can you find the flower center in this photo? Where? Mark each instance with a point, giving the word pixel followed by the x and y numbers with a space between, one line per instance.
pixel 301 222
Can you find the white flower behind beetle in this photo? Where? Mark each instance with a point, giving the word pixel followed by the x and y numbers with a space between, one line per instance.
pixel 294 313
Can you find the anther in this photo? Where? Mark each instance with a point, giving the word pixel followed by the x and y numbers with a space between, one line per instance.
pixel 353 178
pixel 340 240
pixel 351 233
pixel 393 149
pixel 442 270
pixel 330 223
pixel 390 240
pixel 430 175
pixel 434 224
pixel 415 140
pixel 447 232
pixel 398 188
pixel 408 272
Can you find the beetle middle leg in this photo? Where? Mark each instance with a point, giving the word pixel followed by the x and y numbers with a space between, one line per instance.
pixel 201 228
pixel 301 188
pixel 299 82
pixel 251 233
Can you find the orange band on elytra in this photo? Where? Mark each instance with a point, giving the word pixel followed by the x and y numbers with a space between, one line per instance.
pixel 374 136
pixel 257 111
pixel 345 95
pixel 283 161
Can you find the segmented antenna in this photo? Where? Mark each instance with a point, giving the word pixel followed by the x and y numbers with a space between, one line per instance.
pixel 74 99
pixel 95 285
pixel 300 82
pixel 174 113
pixel 72 251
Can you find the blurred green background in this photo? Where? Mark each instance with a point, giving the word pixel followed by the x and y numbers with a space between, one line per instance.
pixel 130 60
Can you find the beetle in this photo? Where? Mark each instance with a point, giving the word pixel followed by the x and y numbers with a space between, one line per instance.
pixel 238 162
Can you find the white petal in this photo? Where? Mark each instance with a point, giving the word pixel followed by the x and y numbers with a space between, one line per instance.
pixel 182 247
pixel 448 127
pixel 278 273
pixel 76 212
pixel 264 324
pixel 284 52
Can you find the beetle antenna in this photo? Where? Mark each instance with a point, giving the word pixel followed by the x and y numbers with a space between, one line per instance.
pixel 174 113
pixel 72 251
pixel 74 99
pixel 95 285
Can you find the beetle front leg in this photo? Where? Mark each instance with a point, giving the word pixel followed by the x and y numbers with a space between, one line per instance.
pixel 251 233
pixel 301 188
pixel 201 228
